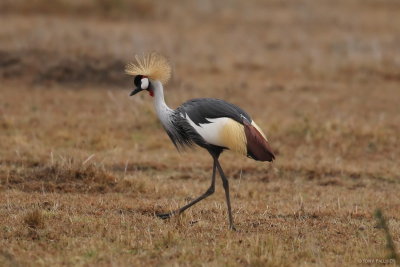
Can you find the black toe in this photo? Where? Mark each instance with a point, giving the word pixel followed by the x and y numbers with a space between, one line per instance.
pixel 164 216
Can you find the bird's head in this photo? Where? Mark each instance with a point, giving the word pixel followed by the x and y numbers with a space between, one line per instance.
pixel 142 83
pixel 148 69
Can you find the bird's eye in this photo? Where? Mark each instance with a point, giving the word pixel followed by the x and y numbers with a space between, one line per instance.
pixel 144 83
pixel 137 80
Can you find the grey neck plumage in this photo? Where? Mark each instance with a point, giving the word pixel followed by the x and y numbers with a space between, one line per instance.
pixel 164 113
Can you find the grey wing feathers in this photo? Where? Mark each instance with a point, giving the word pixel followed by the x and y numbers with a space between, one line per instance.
pixel 182 133
pixel 178 133
pixel 200 109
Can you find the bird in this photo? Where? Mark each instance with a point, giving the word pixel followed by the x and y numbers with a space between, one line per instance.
pixel 212 124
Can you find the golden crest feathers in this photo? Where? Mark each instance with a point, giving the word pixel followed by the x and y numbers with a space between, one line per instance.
pixel 154 66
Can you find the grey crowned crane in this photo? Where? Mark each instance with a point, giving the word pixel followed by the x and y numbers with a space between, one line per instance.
pixel 212 124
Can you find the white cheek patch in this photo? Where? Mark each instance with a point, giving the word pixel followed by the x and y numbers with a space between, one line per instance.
pixel 144 83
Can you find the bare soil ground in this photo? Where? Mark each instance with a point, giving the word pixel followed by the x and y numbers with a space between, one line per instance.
pixel 84 168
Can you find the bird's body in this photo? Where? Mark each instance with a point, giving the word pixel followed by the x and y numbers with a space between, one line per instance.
pixel 212 124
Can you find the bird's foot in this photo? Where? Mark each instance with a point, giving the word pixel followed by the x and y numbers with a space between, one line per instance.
pixel 232 227
pixel 165 216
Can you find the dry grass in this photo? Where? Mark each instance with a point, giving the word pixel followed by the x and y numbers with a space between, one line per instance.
pixel 84 168
pixel 382 222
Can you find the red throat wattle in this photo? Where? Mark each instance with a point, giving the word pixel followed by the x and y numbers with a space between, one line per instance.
pixel 151 92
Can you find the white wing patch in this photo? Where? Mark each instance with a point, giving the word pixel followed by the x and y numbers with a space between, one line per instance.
pixel 223 132
pixel 210 131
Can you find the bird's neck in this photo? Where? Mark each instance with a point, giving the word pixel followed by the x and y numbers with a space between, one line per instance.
pixel 163 111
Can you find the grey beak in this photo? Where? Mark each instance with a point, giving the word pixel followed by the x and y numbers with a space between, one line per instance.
pixel 134 92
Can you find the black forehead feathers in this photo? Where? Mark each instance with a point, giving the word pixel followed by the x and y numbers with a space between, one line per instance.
pixel 137 80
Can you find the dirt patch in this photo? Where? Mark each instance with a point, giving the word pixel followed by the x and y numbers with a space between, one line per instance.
pixel 38 67
pixel 146 166
pixel 97 8
pixel 38 177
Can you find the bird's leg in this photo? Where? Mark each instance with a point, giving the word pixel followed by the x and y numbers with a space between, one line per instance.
pixel 225 183
pixel 209 192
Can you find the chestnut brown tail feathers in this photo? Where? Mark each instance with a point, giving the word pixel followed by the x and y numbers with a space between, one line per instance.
pixel 258 147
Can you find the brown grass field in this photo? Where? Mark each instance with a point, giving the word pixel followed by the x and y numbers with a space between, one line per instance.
pixel 84 167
